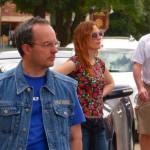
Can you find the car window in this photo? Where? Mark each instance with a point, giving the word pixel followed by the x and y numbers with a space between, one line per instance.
pixel 117 60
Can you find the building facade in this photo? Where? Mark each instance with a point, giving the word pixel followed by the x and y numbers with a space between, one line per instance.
pixel 9 20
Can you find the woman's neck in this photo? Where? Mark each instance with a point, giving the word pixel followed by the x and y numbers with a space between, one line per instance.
pixel 92 57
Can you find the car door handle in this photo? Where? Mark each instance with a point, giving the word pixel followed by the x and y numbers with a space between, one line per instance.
pixel 119 111
pixel 128 104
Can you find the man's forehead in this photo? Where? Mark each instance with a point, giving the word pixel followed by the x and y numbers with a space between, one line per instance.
pixel 42 27
pixel 43 31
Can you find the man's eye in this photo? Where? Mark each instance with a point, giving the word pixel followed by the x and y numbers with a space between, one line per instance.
pixel 48 44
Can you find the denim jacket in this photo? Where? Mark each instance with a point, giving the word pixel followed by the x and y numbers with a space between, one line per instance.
pixel 57 99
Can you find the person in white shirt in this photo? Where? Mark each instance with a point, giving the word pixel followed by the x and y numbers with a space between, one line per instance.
pixel 141 73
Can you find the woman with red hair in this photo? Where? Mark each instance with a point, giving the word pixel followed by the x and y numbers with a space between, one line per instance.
pixel 94 82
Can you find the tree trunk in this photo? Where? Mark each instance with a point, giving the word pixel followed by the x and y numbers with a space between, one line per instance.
pixel 58 27
pixel 62 27
pixel 40 10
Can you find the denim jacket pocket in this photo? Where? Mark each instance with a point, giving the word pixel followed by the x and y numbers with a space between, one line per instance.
pixel 63 120
pixel 9 117
pixel 64 111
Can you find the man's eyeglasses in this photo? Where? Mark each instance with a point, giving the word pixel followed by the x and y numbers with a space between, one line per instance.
pixel 95 35
pixel 49 45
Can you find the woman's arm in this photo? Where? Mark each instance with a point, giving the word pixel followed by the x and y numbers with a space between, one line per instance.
pixel 65 68
pixel 109 83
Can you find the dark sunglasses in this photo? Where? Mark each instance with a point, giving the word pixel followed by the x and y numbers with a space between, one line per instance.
pixel 95 35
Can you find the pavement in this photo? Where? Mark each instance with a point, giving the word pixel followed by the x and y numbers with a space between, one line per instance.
pixel 137 146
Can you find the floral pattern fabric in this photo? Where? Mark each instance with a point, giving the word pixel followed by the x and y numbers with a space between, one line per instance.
pixel 90 88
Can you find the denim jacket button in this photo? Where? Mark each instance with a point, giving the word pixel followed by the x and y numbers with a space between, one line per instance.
pixel 27 110
pixel 65 113
pixel 28 89
pixel 5 111
pixel 24 130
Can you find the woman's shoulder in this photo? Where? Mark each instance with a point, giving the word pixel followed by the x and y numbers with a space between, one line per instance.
pixel 74 57
pixel 99 60
pixel 75 60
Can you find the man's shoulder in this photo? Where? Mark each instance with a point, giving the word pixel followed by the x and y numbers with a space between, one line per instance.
pixel 145 37
pixel 63 78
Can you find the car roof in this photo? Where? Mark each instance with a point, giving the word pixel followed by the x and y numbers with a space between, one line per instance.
pixel 119 42
pixel 9 54
pixel 15 54
pixel 107 42
pixel 10 59
pixel 113 42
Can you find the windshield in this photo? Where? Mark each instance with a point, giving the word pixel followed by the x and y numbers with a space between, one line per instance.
pixel 117 60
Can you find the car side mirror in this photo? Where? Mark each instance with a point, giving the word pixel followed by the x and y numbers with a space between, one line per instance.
pixel 119 91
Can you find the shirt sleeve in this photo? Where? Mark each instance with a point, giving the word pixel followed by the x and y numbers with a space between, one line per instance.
pixel 78 114
pixel 139 55
pixel 101 64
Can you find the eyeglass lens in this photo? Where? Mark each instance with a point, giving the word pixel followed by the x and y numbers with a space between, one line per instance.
pixel 96 34
pixel 48 45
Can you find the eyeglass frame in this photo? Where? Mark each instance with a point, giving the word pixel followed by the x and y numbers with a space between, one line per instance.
pixel 48 44
pixel 97 34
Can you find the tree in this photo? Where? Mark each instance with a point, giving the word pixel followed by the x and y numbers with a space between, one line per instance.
pixel 125 24
pixel 66 14
pixel 144 26
pixel 2 2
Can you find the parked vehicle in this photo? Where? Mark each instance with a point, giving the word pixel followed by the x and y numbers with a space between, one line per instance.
pixel 123 118
pixel 118 111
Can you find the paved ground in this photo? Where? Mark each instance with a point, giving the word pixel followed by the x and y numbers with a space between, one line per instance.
pixel 137 147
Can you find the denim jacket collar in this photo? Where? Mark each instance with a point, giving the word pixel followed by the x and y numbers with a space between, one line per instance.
pixel 22 83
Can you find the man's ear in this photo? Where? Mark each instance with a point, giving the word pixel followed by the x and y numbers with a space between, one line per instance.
pixel 26 49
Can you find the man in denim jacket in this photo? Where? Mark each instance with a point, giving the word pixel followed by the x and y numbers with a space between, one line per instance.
pixel 39 109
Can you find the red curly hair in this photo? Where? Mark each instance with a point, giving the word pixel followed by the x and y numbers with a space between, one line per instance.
pixel 81 36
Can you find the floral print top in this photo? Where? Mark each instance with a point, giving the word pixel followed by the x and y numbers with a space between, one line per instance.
pixel 90 88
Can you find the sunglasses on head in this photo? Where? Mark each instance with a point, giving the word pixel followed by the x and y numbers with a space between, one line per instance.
pixel 95 35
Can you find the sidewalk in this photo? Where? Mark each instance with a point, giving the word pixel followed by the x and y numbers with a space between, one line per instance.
pixel 137 146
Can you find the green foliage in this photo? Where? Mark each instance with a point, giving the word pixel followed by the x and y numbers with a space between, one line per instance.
pixel 2 2
pixel 129 17
pixel 144 25
pixel 26 6
pixel 121 25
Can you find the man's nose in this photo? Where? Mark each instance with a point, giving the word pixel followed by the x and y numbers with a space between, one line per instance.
pixel 54 50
